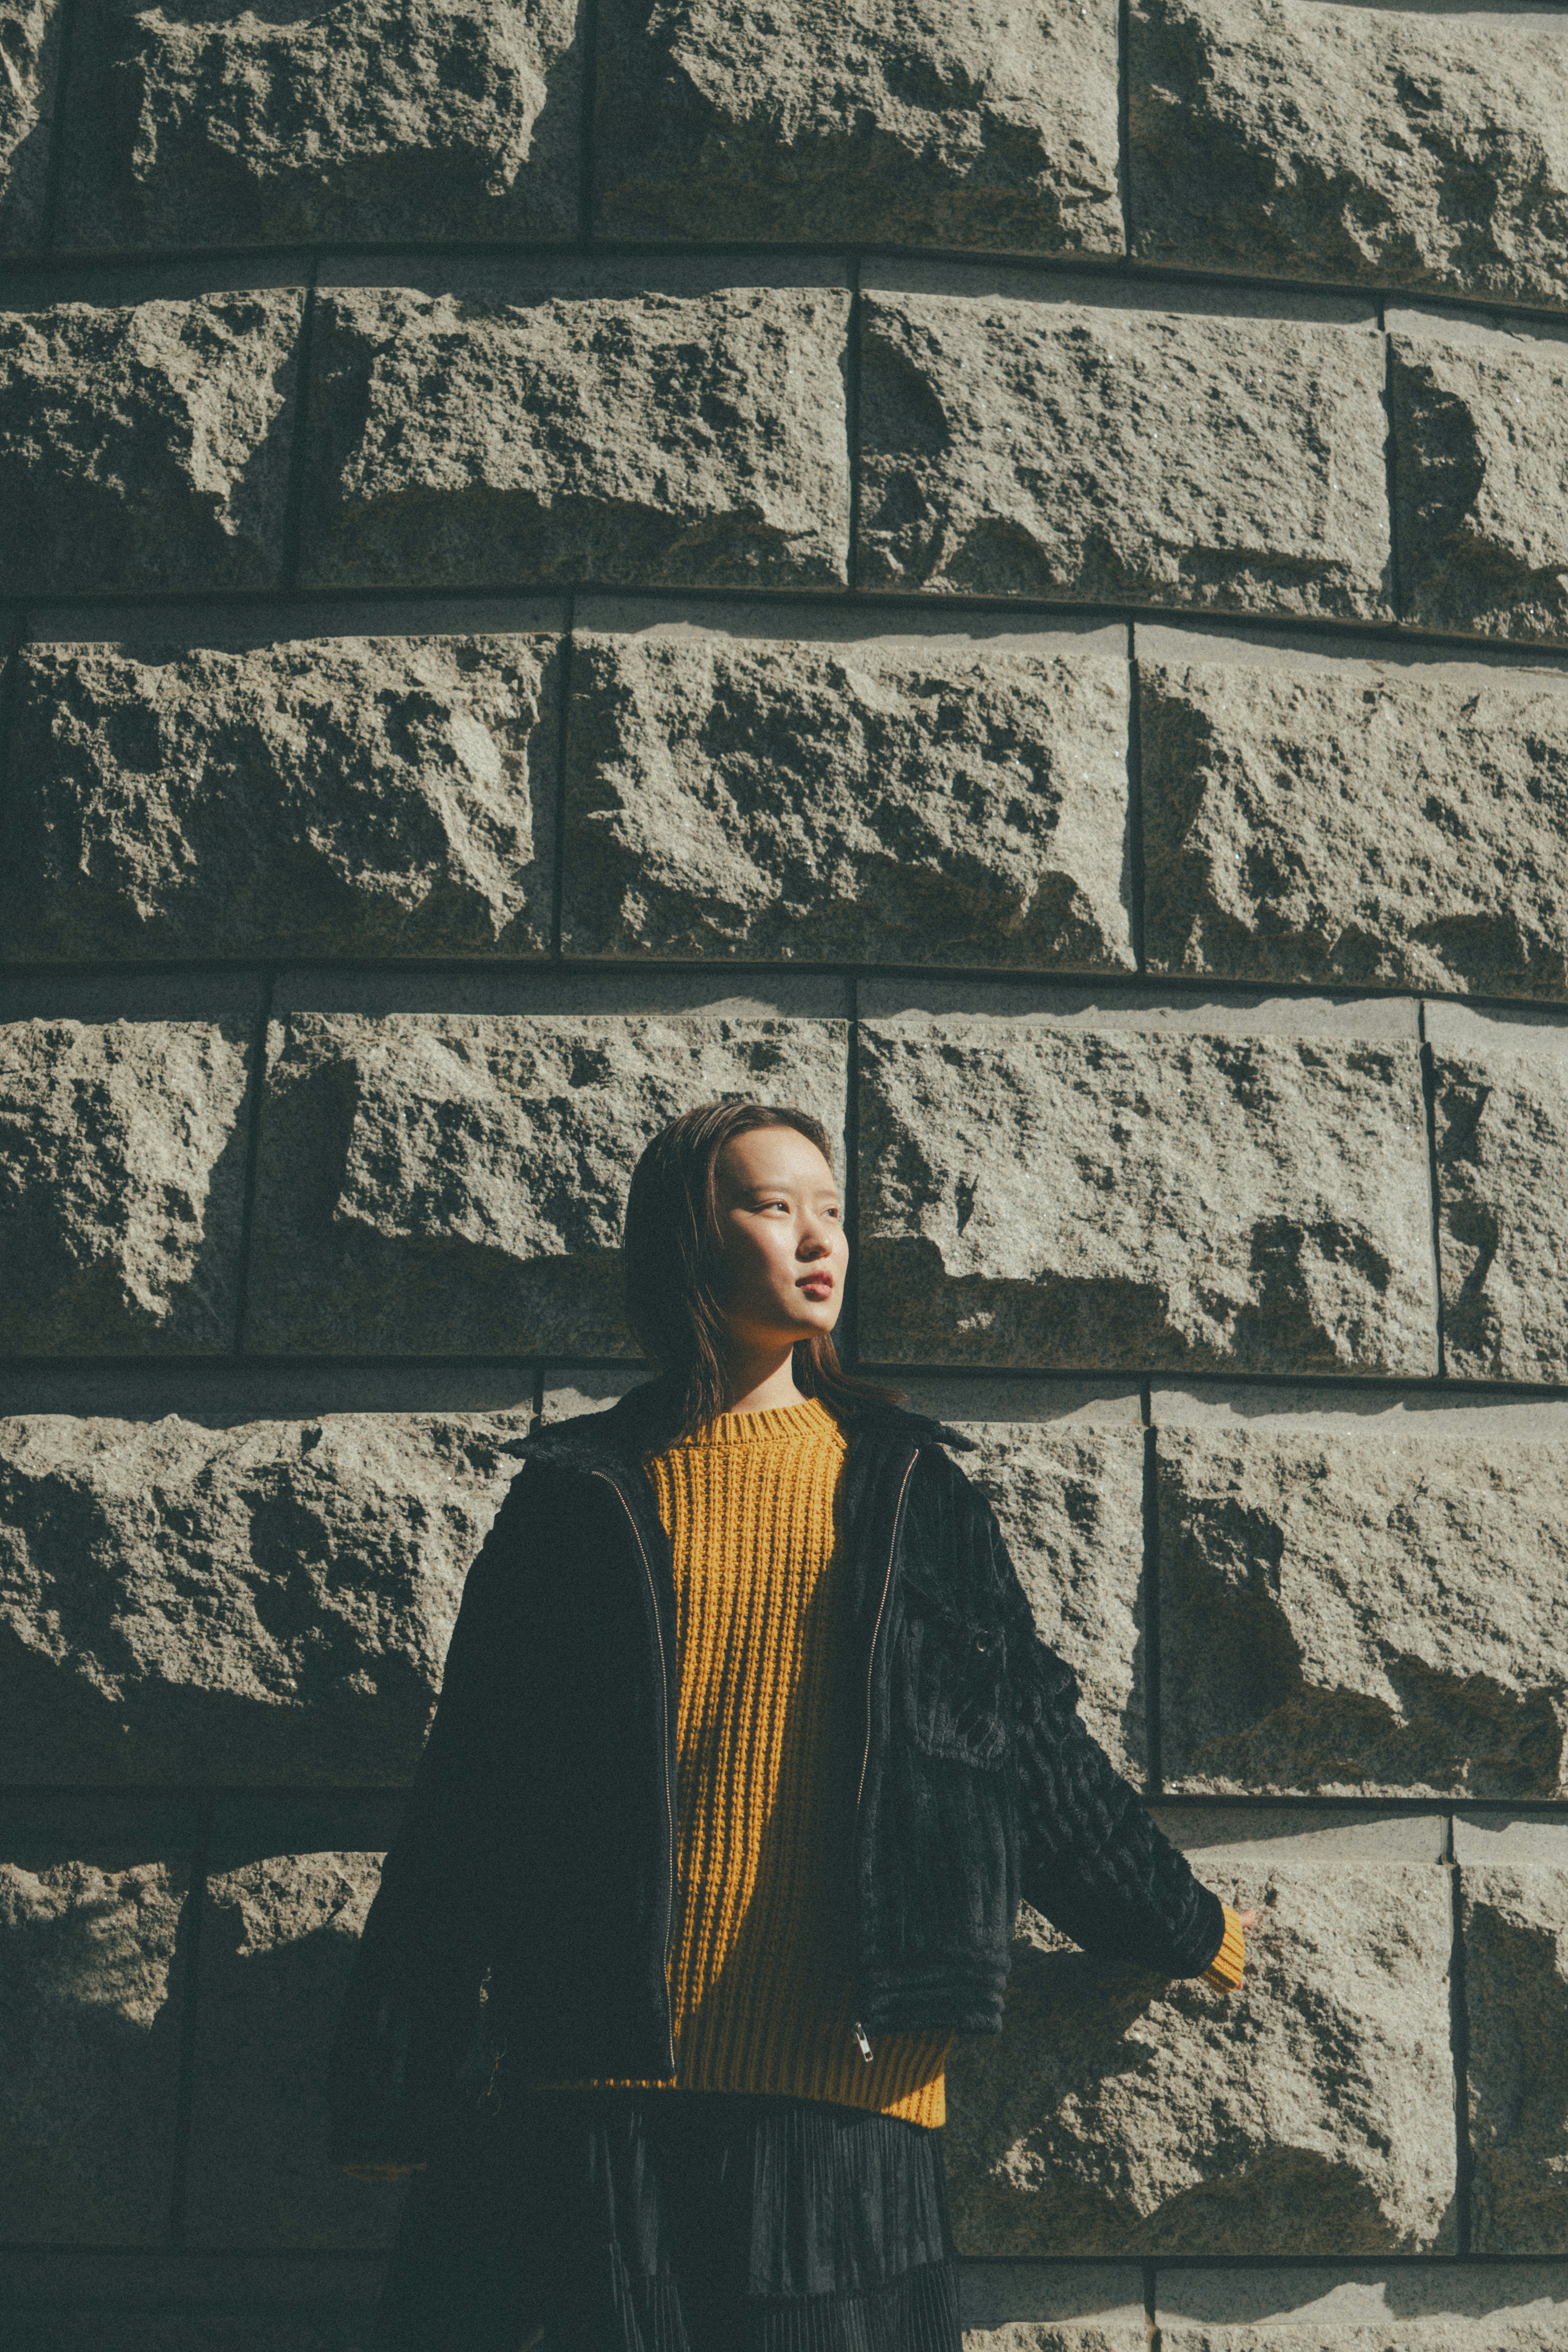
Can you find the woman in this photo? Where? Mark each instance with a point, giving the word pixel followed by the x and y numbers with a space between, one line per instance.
pixel 746 1752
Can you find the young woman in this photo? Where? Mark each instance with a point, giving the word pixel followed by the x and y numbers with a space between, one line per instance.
pixel 746 1752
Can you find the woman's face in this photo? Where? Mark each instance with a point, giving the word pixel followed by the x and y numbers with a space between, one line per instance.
pixel 785 1249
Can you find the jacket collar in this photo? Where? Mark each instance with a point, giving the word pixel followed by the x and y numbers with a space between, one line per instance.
pixel 618 1439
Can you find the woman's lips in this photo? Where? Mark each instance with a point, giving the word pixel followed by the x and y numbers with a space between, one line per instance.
pixel 816 1285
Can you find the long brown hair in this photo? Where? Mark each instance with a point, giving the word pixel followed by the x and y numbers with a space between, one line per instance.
pixel 672 1254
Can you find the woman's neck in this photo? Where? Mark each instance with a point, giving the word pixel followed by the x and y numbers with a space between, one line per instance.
pixel 764 1386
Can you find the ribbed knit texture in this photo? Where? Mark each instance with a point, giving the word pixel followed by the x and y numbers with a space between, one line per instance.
pixel 761 2001
pixel 1226 1967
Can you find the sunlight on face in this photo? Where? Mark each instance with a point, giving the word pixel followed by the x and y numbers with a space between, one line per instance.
pixel 784 1248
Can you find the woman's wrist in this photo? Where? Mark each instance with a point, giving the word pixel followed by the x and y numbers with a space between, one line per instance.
pixel 1229 1963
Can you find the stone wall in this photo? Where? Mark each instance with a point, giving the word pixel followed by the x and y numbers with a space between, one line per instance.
pixel 1000 573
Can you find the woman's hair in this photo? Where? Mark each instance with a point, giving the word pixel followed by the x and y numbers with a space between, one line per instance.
pixel 672 1256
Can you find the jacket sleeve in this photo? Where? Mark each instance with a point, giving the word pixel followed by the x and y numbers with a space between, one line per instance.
pixel 1092 1859
pixel 411 2020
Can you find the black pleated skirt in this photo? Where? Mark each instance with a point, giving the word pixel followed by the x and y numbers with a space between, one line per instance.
pixel 678 2221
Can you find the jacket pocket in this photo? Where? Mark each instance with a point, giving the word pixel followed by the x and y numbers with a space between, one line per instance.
pixel 955 1689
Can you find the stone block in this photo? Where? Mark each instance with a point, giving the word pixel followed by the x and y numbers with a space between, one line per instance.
pixel 1491 1837
pixel 279 1935
pixel 1407 2307
pixel 566 1395
pixel 1021 440
pixel 443 1167
pixel 93 1941
pixel 1101 1195
pixel 30 40
pixel 1409 146
pixel 801 790
pixel 1068 1494
pixel 1312 2113
pixel 584 426
pixel 1359 823
pixel 144 444
pixel 1055 2308
pixel 1480 478
pixel 347 795
pixel 1515 1918
pixel 1225 1836
pixel 268 1602
pixel 123 1133
pixel 382 120
pixel 939 125
pixel 1501 1128
pixel 1368 1613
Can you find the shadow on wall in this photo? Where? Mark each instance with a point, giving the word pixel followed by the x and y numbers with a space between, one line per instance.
pixel 129 2024
pixel 278 1935
pixel 98 1928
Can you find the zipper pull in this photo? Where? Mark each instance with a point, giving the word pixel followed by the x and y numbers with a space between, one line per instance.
pixel 489 2099
pixel 861 2045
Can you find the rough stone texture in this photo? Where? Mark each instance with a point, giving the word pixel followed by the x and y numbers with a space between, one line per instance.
pixel 1408 2307
pixel 198 124
pixel 144 446
pixel 1516 1994
pixel 1032 1194
pixel 938 124
pixel 1312 2113
pixel 29 60
pixel 1404 146
pixel 944 804
pixel 91 1986
pixel 122 1145
pixel 1021 2308
pixel 486 435
pixel 1501 1125
pixel 1480 437
pixel 278 1943
pixel 337 796
pixel 1047 448
pixel 1373 1613
pixel 268 1603
pixel 1071 1502
pixel 454 1182
pixel 1374 825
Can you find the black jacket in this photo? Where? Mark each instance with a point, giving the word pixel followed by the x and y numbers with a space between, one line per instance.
pixel 537 1856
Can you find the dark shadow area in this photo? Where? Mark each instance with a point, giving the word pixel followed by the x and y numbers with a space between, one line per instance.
pixel 96 1930
pixel 279 1932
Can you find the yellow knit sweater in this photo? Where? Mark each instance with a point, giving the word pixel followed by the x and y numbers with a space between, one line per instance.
pixel 759 1968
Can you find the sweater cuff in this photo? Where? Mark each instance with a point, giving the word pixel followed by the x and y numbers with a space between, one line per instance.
pixel 1226 1968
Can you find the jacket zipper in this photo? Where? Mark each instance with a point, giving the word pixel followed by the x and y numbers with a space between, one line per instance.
pixel 861 2043
pixel 876 1628
pixel 665 1721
